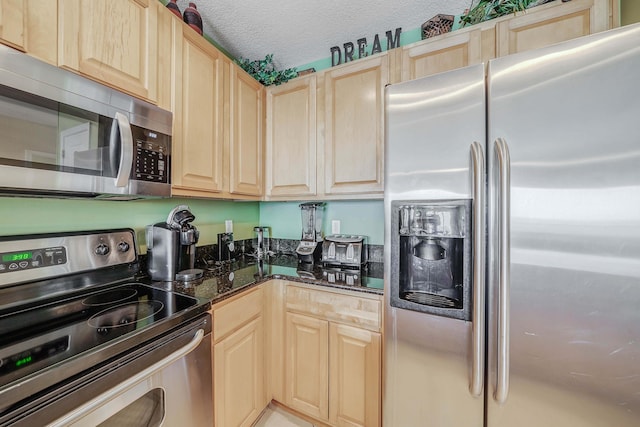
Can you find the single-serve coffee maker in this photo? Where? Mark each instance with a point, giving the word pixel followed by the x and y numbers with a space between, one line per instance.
pixel 431 257
pixel 171 245
pixel 310 247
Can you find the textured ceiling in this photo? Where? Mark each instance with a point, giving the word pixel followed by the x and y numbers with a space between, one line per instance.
pixel 298 32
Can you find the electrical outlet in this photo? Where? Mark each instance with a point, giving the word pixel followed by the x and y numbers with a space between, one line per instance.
pixel 228 226
pixel 335 226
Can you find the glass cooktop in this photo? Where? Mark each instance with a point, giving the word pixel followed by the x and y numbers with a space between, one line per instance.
pixel 41 336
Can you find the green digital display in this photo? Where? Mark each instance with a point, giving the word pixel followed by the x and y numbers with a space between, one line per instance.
pixel 23 361
pixel 18 256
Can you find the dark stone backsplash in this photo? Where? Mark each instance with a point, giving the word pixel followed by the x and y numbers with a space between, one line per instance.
pixel 209 253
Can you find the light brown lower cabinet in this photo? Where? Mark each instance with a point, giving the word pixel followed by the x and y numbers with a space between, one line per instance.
pixel 315 351
pixel 307 365
pixel 354 376
pixel 239 360
pixel 333 356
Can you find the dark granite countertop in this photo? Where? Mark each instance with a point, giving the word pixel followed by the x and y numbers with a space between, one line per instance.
pixel 222 281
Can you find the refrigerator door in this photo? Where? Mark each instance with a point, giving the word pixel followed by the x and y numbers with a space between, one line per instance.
pixel 433 369
pixel 564 329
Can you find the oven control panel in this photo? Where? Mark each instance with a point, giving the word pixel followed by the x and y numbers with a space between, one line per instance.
pixel 29 356
pixel 32 258
pixel 42 256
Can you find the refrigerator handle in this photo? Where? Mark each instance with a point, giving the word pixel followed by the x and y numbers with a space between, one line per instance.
pixel 503 212
pixel 478 317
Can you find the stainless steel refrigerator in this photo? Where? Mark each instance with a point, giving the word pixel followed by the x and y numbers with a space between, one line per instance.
pixel 512 240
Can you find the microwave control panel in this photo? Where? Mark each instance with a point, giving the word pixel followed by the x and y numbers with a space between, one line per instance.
pixel 152 154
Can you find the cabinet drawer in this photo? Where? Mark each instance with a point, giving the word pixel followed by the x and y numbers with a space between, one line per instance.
pixel 231 315
pixel 364 312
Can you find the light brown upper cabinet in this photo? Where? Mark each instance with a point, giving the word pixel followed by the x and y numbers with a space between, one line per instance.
pixel 540 26
pixel 197 164
pixel 12 18
pixel 291 138
pixel 354 126
pixel 246 161
pixel 114 42
pixel 30 27
pixel 552 23
pixel 454 50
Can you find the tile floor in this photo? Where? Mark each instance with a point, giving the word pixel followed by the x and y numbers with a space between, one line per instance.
pixel 276 417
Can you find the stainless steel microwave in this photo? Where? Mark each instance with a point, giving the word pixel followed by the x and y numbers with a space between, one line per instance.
pixel 64 135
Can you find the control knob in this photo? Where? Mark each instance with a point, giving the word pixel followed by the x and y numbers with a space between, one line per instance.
pixel 123 247
pixel 102 249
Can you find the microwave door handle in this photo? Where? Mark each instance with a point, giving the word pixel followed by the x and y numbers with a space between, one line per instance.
pixel 478 319
pixel 121 139
pixel 503 213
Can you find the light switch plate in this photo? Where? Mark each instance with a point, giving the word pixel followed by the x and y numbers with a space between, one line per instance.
pixel 228 226
pixel 335 226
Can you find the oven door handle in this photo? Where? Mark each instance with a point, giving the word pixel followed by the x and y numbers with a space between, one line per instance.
pixel 93 404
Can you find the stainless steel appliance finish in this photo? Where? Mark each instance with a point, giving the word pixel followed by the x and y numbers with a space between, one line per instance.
pixel 557 318
pixel 344 250
pixel 167 388
pixel 430 126
pixel 226 247
pixel 65 135
pixel 263 235
pixel 82 340
pixel 171 245
pixel 309 249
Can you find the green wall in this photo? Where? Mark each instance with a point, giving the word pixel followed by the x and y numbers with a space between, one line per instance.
pixel 364 217
pixel 41 215
pixel 32 215
pixel 629 11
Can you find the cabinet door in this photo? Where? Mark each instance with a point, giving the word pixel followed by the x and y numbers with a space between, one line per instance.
pixel 114 42
pixel 197 144
pixel 291 138
pixel 355 370
pixel 306 365
pixel 13 15
pixel 30 26
pixel 354 130
pixel 447 52
pixel 553 23
pixel 246 134
pixel 169 27
pixel 239 376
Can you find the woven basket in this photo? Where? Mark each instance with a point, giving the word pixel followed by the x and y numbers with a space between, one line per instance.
pixel 437 25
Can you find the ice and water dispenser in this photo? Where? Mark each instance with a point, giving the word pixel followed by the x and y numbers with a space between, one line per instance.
pixel 431 257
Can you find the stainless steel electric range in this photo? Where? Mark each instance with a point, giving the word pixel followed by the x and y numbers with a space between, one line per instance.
pixel 82 342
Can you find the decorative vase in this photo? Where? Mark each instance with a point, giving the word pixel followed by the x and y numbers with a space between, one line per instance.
pixel 192 18
pixel 173 7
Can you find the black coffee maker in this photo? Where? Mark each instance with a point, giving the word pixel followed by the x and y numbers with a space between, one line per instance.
pixel 171 245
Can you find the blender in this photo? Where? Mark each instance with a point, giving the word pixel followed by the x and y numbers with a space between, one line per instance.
pixel 310 247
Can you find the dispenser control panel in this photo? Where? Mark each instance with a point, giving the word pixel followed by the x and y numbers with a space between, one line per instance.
pixel 431 257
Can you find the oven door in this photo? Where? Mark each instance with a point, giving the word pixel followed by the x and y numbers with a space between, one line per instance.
pixel 165 383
